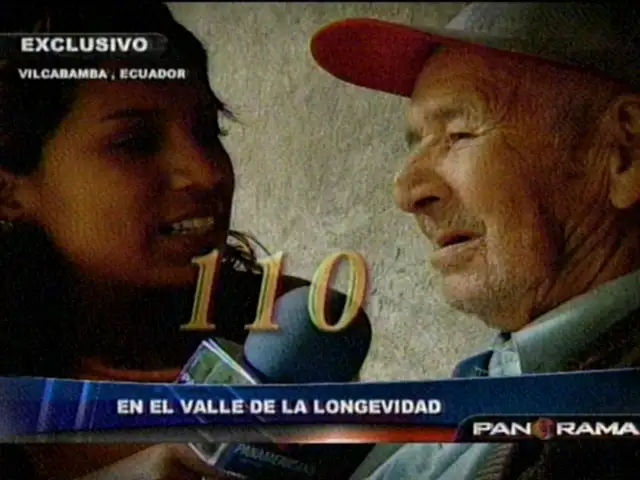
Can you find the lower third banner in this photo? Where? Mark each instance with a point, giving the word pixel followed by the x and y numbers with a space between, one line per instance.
pixel 592 404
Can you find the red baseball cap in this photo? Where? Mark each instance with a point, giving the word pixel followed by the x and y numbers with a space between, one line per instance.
pixel 389 57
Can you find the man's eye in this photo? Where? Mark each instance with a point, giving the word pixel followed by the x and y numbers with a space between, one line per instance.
pixel 455 137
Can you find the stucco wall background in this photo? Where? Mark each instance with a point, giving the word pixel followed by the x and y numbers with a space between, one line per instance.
pixel 315 159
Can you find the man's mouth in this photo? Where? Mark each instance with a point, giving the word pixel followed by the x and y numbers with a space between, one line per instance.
pixel 454 248
pixel 454 238
pixel 189 226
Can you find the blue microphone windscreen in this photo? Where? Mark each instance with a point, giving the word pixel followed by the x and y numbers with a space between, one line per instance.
pixel 299 352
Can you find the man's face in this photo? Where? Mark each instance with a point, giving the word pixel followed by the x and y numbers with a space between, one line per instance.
pixel 492 179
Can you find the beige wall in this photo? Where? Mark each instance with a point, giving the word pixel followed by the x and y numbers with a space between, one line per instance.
pixel 315 159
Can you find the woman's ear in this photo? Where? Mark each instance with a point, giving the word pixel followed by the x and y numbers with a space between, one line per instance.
pixel 15 197
pixel 624 163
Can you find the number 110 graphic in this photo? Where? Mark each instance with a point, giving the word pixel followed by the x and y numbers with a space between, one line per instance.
pixel 272 271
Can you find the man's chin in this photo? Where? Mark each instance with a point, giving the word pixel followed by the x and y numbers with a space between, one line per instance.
pixel 462 294
pixel 479 300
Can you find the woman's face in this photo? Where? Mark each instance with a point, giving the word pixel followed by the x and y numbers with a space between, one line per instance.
pixel 134 182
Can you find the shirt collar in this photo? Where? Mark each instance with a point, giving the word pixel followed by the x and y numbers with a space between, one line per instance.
pixel 552 339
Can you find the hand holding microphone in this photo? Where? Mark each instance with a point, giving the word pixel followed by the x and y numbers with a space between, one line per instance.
pixel 297 353
pixel 160 462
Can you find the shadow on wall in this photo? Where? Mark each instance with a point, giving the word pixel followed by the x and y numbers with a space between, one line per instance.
pixel 315 159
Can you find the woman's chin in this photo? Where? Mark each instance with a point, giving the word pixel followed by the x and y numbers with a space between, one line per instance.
pixel 162 276
pixel 175 276
pixel 150 271
pixel 178 270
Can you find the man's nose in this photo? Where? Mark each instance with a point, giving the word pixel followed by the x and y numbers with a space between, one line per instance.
pixel 418 189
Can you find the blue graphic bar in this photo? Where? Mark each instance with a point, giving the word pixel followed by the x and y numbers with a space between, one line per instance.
pixel 36 406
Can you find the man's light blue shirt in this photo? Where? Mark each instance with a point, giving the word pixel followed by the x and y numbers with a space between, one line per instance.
pixel 545 346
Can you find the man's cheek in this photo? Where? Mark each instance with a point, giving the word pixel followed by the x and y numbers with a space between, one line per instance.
pixel 477 177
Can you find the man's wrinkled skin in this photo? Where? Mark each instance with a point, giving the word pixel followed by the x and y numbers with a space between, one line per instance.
pixel 536 167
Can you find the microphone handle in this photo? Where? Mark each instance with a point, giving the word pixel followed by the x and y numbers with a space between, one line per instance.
pixel 211 364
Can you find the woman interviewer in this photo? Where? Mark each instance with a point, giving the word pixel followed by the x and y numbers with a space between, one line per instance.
pixel 108 190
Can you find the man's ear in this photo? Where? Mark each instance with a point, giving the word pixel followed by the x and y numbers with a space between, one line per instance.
pixel 16 197
pixel 624 166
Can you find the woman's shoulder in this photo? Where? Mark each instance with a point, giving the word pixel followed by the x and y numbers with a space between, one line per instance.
pixel 15 463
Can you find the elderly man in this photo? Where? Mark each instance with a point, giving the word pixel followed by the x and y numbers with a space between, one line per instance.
pixel 524 173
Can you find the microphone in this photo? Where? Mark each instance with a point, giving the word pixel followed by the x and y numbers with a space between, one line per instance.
pixel 301 353
pixel 298 352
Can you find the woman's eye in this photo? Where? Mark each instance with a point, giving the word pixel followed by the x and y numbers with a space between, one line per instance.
pixel 208 136
pixel 137 143
pixel 209 132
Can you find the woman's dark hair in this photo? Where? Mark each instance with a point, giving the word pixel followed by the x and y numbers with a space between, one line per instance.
pixel 33 289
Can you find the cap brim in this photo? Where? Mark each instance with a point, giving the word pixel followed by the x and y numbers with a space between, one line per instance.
pixel 375 54
pixel 386 56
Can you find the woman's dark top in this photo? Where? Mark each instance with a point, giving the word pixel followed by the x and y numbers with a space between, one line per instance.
pixel 236 296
